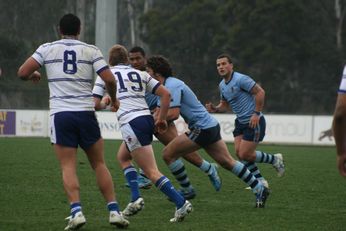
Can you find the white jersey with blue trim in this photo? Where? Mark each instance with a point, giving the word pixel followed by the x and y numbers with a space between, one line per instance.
pixel 132 85
pixel 191 109
pixel 237 92
pixel 71 66
pixel 342 87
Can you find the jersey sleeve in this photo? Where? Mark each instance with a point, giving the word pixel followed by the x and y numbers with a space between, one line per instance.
pixel 152 84
pixel 39 54
pixel 175 89
pixel 99 62
pixel 99 87
pixel 246 83
pixel 342 87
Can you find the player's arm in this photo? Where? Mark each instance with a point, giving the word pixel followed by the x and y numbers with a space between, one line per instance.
pixel 220 108
pixel 28 70
pixel 111 86
pixel 339 132
pixel 165 98
pixel 259 94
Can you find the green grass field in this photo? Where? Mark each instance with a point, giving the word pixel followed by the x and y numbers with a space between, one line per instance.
pixel 311 196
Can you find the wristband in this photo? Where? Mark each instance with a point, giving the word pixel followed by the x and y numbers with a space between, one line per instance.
pixel 257 113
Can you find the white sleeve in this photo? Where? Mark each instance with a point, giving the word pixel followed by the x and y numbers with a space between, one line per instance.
pixel 40 54
pixel 99 62
pixel 99 87
pixel 342 88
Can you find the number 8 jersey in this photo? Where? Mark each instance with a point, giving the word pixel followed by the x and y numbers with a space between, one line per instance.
pixel 132 85
pixel 70 65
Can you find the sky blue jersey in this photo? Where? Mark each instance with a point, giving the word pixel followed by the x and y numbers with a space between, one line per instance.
pixel 191 109
pixel 152 100
pixel 237 93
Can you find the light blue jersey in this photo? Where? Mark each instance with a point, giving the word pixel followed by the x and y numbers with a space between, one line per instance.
pixel 191 109
pixel 237 93
pixel 152 100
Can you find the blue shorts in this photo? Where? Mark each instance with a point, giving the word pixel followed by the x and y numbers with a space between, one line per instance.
pixel 71 129
pixel 204 137
pixel 138 132
pixel 250 134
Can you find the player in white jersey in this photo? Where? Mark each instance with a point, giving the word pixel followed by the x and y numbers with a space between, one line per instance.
pixel 339 125
pixel 138 61
pixel 137 127
pixel 70 66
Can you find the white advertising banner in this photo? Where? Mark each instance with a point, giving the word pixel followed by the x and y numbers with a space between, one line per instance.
pixel 323 134
pixel 109 125
pixel 296 129
pixel 32 123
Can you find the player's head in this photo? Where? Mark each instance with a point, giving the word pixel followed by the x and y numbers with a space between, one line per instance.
pixel 69 25
pixel 118 55
pixel 224 65
pixel 158 64
pixel 137 58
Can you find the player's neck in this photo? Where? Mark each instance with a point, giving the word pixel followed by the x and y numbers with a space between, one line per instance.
pixel 228 77
pixel 69 37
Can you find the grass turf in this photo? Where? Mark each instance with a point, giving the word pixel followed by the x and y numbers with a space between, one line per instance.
pixel 311 195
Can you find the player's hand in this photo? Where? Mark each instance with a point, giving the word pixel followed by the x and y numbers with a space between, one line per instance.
pixel 254 121
pixel 115 106
pixel 161 126
pixel 341 162
pixel 210 107
pixel 106 101
pixel 35 77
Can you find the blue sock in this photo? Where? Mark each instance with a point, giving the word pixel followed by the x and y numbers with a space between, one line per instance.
pixel 206 167
pixel 262 157
pixel 113 206
pixel 131 177
pixel 253 169
pixel 243 173
pixel 178 170
pixel 75 208
pixel 167 188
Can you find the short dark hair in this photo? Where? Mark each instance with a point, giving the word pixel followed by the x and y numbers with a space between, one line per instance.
pixel 160 65
pixel 69 25
pixel 118 55
pixel 137 49
pixel 224 55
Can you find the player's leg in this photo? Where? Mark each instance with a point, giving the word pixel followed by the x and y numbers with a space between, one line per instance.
pixel 219 152
pixel 251 138
pixel 92 143
pixel 125 161
pixel 178 168
pixel 138 133
pixel 64 136
pixel 245 152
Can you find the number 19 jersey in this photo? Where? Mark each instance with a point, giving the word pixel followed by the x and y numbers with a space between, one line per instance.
pixel 70 65
pixel 132 85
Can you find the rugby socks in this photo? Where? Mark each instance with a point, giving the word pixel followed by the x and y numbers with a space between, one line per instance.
pixel 240 170
pixel 75 208
pixel 253 169
pixel 262 157
pixel 206 167
pixel 113 206
pixel 167 188
pixel 178 170
pixel 131 177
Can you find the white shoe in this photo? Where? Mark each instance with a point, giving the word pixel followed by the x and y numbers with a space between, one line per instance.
pixel 279 164
pixel 263 181
pixel 118 220
pixel 133 207
pixel 181 213
pixel 76 222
